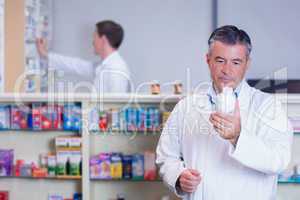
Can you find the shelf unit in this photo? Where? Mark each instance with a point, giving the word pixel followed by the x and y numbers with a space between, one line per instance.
pixel 96 142
pixel 43 178
pixel 92 143
pixel 289 182
pixel 25 20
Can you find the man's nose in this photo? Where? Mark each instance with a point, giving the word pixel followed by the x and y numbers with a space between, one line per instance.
pixel 226 68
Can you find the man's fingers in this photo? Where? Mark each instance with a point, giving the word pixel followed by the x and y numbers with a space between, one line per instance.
pixel 194 172
pixel 219 117
pixel 189 186
pixel 222 117
pixel 189 183
pixel 199 178
pixel 220 124
pixel 188 190
pixel 193 179
pixel 190 177
pixel 223 133
pixel 189 180
pixel 40 41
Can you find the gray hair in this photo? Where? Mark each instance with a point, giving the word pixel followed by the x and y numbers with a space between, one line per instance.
pixel 231 35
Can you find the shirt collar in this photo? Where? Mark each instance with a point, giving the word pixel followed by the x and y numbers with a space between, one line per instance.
pixel 109 58
pixel 212 95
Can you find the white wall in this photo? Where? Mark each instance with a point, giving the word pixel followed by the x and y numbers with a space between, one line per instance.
pixel 273 26
pixel 162 37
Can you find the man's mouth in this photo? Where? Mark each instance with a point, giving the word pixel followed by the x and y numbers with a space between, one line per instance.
pixel 225 79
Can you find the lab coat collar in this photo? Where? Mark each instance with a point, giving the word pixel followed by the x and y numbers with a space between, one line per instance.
pixel 205 102
pixel 244 95
pixel 110 58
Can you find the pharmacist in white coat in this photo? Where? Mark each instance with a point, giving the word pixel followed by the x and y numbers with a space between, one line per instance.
pixel 112 75
pixel 209 155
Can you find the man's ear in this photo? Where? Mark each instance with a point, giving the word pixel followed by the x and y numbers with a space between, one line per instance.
pixel 207 58
pixel 248 63
pixel 105 39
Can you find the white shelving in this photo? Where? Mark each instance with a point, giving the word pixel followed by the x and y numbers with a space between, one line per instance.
pixel 37 25
pixel 25 21
pixel 36 142
pixel 29 144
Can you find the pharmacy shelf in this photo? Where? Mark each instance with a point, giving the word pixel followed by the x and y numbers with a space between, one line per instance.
pixel 75 97
pixel 96 142
pixel 289 182
pixel 129 180
pixel 43 178
pixel 39 189
pixel 126 134
pixel 114 98
pixel 39 132
pixel 69 177
pixel 124 180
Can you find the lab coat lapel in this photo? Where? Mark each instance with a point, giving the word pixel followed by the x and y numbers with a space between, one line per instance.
pixel 197 129
pixel 204 107
pixel 244 99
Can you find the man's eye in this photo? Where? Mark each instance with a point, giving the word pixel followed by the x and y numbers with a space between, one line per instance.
pixel 220 61
pixel 236 63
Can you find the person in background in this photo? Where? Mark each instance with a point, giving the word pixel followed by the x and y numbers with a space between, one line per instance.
pixel 209 155
pixel 112 75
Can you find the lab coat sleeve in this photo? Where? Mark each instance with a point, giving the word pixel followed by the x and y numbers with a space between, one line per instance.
pixel 169 152
pixel 71 65
pixel 266 146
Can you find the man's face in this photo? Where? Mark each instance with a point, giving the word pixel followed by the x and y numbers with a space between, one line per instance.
pixel 97 43
pixel 227 64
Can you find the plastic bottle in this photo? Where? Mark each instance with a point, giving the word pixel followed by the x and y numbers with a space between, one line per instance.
pixel 226 101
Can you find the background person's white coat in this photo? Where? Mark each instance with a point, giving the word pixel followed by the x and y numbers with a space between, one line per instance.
pixel 111 76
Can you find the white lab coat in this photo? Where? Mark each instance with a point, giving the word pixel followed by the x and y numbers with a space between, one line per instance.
pixel 249 170
pixel 112 75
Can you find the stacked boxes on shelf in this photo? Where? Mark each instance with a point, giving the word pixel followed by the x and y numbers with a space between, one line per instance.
pixel 65 162
pixel 47 117
pixel 20 117
pixel 40 116
pixel 148 119
pixel 6 162
pixel 68 156
pixel 4 195
pixel 120 166
pixel 72 117
pixel 4 117
pixel 290 175
pixel 37 25
pixel 76 196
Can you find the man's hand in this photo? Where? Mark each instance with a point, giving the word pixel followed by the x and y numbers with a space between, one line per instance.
pixel 42 47
pixel 228 125
pixel 189 179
